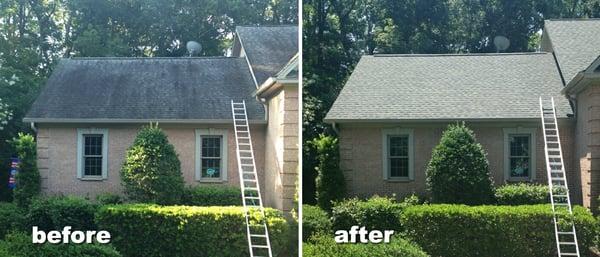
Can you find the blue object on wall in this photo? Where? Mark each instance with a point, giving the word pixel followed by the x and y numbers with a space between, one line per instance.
pixel 14 169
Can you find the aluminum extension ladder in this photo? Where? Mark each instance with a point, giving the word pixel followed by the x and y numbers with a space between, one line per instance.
pixel 257 233
pixel 565 235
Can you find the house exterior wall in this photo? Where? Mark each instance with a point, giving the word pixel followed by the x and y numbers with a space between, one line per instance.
pixel 281 149
pixel 361 147
pixel 57 156
pixel 588 144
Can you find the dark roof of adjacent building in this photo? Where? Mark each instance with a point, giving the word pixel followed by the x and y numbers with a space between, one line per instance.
pixel 575 42
pixel 268 48
pixel 449 87
pixel 155 89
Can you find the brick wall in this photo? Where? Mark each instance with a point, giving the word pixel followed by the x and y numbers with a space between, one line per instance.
pixel 361 155
pixel 57 156
pixel 588 144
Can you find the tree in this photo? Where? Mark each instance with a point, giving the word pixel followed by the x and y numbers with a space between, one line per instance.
pixel 152 170
pixel 330 183
pixel 458 171
pixel 28 177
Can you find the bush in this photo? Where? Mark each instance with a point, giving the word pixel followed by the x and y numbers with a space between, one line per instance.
pixel 152 230
pixel 152 171
pixel 458 171
pixel 54 213
pixel 212 196
pixel 108 198
pixel 379 213
pixel 11 218
pixel 523 194
pixel 330 183
pixel 491 231
pixel 28 177
pixel 325 246
pixel 314 221
pixel 19 245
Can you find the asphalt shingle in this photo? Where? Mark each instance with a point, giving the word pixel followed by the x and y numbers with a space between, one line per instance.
pixel 146 89
pixel 269 48
pixel 576 43
pixel 449 87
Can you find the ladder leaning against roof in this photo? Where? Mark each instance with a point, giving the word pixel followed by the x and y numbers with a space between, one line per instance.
pixel 256 230
pixel 564 231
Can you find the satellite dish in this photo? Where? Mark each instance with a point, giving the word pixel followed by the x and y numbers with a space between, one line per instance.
pixel 502 43
pixel 193 47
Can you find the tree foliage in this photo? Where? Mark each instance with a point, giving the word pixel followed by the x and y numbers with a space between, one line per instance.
pixel 330 183
pixel 458 171
pixel 152 171
pixel 337 32
pixel 28 178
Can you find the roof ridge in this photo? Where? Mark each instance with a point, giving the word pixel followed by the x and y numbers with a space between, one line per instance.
pixel 573 19
pixel 144 58
pixel 268 25
pixel 458 54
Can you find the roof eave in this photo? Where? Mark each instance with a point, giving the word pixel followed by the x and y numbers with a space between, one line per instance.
pixel 121 121
pixel 532 119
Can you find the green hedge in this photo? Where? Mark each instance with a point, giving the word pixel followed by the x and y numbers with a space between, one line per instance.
pixel 11 217
pixel 325 246
pixel 523 194
pixel 19 245
pixel 54 213
pixel 152 230
pixel 491 231
pixel 212 196
pixel 314 220
pixel 379 213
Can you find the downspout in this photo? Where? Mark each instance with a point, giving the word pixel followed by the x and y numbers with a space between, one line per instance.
pixel 32 124
pixel 335 129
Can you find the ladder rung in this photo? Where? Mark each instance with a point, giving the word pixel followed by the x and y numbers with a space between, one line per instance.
pixel 567 243
pixel 257 235
pixel 260 246
pixel 569 254
pixel 564 233
pixel 560 195
pixel 251 188
pixel 252 197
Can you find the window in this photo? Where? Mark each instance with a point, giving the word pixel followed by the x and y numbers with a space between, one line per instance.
pixel 519 154
pixel 92 153
pixel 211 155
pixel 398 154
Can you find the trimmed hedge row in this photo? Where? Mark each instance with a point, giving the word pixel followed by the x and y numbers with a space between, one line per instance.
pixel 139 230
pixel 11 218
pixel 314 220
pixel 325 246
pixel 212 196
pixel 19 245
pixel 523 194
pixel 491 231
pixel 380 213
pixel 54 213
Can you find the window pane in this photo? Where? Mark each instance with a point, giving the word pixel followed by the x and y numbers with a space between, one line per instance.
pixel 519 145
pixel 93 166
pixel 211 168
pixel 398 146
pixel 92 144
pixel 519 167
pixel 211 146
pixel 398 167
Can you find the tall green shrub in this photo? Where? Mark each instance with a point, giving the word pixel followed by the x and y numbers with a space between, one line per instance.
pixel 152 171
pixel 330 182
pixel 28 177
pixel 458 171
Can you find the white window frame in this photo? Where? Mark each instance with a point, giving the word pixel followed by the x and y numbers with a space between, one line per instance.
pixel 386 133
pixel 198 155
pixel 533 150
pixel 80 144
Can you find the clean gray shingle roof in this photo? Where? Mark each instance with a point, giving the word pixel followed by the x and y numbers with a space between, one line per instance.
pixel 146 89
pixel 449 87
pixel 576 43
pixel 269 48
